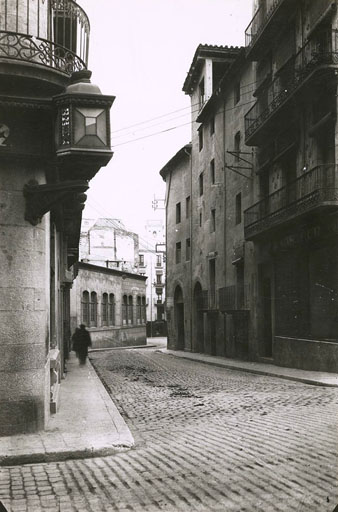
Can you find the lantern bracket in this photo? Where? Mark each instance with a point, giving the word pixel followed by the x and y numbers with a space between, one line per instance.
pixel 41 199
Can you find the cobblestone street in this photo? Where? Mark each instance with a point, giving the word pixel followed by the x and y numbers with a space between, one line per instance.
pixel 206 438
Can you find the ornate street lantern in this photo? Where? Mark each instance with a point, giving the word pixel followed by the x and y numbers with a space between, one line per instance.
pixel 83 128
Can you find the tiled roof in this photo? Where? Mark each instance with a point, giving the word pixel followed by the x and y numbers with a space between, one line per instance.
pixel 208 51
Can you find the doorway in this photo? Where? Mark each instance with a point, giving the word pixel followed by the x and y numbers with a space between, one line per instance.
pixel 179 318
pixel 198 321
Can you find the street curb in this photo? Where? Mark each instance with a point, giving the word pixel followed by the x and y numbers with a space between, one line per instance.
pixel 134 347
pixel 229 366
pixel 39 458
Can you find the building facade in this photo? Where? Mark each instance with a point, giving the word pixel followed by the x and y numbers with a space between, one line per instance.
pixel 252 274
pixel 208 183
pixel 292 219
pixel 111 303
pixel 106 242
pixel 152 264
pixel 54 137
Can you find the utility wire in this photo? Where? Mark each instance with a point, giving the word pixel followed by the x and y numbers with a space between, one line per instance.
pixel 173 112
pixel 178 126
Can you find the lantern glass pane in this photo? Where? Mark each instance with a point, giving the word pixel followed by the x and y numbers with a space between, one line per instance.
pixel 91 125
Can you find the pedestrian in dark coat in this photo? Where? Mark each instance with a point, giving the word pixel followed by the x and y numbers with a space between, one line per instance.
pixel 81 341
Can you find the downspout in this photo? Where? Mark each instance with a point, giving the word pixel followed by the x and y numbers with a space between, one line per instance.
pixel 189 154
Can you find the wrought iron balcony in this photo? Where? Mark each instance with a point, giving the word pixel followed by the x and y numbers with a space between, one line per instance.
pixel 314 190
pixel 315 55
pixel 52 33
pixel 233 298
pixel 206 301
pixel 264 24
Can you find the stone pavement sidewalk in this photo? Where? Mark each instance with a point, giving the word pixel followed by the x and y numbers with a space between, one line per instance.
pixel 87 424
pixel 305 376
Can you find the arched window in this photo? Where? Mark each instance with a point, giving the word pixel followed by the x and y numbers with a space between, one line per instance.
pixel 111 309
pixel 104 309
pixel 85 308
pixel 124 309
pixel 93 309
pixel 144 311
pixel 130 310
pixel 139 311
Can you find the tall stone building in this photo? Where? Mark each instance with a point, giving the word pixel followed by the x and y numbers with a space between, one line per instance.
pixel 292 221
pixel 54 137
pixel 208 183
pixel 264 204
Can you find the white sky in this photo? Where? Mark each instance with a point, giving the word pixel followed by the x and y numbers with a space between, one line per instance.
pixel 140 52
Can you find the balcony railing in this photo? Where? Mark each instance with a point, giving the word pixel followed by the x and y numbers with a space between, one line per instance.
pixel 316 188
pixel 52 33
pixel 316 53
pixel 262 19
pixel 233 298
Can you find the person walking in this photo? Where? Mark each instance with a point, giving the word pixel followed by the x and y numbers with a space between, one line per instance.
pixel 81 341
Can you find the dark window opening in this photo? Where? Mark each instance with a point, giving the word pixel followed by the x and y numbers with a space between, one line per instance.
pixel 238 218
pixel 178 252
pixel 212 171
pixel 200 183
pixel 178 213
pixel 213 221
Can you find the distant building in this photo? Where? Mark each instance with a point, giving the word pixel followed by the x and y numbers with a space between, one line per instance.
pixel 106 242
pixel 111 303
pixel 152 264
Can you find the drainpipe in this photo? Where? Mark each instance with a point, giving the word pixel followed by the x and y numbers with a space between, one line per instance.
pixel 191 250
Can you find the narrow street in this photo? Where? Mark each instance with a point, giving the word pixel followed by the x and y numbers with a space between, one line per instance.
pixel 206 438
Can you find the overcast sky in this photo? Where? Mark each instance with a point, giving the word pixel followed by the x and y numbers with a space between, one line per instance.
pixel 140 52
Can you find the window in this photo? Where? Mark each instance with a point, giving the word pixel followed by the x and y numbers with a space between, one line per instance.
pixel 238 218
pixel 141 260
pixel 111 309
pixel 200 183
pixel 213 221
pixel 93 309
pixel 124 310
pixel 212 172
pixel 187 207
pixel 178 252
pixel 237 145
pixel 104 309
pixel 200 219
pixel 237 92
pixel 158 260
pixel 212 126
pixel 201 93
pixel 138 311
pixel 187 249
pixel 85 308
pixel 158 278
pixel 200 138
pixel 178 213
pixel 130 310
